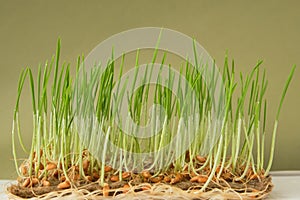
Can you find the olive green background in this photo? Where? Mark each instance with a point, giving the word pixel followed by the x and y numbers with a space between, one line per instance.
pixel 251 30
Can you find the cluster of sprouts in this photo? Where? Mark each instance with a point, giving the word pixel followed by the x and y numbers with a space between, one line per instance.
pixel 66 138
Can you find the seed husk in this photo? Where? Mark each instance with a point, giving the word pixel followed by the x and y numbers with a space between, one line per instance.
pixel 146 174
pixel 125 175
pixel 201 159
pixel 202 179
pixel 167 179
pixel 46 183
pixel 146 187
pixel 177 179
pixel 155 179
pixel 64 185
pixel 51 166
pixel 125 188
pixel 26 182
pixel 34 181
pixel 114 178
pixel 107 168
pixel 194 179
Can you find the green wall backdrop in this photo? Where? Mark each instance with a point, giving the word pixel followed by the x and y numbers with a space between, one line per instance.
pixel 250 31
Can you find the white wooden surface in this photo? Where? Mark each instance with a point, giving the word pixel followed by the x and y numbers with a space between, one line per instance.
pixel 286 186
